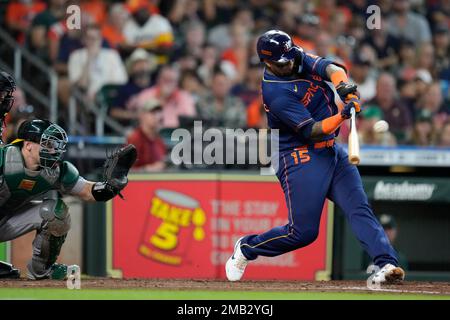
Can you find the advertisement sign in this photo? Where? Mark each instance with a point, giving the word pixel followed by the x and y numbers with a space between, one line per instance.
pixel 173 226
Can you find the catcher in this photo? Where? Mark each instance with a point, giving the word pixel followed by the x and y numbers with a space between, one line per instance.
pixel 33 178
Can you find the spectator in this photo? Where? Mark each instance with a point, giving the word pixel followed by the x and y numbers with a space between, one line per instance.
pixel 150 147
pixel 191 82
pixel 223 36
pixel 256 115
pixel 385 46
pixel 140 66
pixel 306 30
pixel 356 28
pixel 91 67
pixel 194 42
pixel 41 24
pixel 362 75
pixel 441 41
pixel 394 111
pixel 148 30
pixel 408 91
pixel 432 99
pixel 366 122
pixel 20 14
pixel 238 52
pixel 406 65
pixel 113 29
pixel 95 8
pixel 184 11
pixel 423 133
pixel 444 138
pixel 249 89
pixel 406 24
pixel 219 11
pixel 333 18
pixel 263 13
pixel 175 101
pixel 210 61
pixel 219 108
pixel 425 57
pixel 422 79
pixel 63 41
pixel 324 45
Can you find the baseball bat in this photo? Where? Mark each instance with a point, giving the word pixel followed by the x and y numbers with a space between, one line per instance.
pixel 353 140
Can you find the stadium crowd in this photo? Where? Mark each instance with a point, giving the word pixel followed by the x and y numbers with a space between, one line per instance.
pixel 169 61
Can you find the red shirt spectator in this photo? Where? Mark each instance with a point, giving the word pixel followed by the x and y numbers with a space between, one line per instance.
pixel 150 151
pixel 150 147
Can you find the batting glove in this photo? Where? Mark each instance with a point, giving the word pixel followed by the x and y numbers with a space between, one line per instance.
pixel 354 102
pixel 345 90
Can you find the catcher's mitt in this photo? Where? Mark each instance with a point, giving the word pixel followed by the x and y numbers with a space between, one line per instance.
pixel 116 167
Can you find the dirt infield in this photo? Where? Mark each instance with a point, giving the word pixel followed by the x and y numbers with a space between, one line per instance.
pixel 408 287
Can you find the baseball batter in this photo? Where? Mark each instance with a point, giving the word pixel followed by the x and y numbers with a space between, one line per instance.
pixel 32 179
pixel 300 102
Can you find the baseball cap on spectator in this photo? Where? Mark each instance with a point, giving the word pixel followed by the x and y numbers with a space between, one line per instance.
pixel 424 75
pixel 151 105
pixel 424 115
pixel 387 221
pixel 138 55
pixel 371 112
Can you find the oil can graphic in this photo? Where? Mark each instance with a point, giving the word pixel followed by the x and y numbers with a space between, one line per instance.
pixel 173 221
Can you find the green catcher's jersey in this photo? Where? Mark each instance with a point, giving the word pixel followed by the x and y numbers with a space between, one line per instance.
pixel 19 185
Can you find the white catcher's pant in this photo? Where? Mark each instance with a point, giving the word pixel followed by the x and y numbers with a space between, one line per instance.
pixel 51 219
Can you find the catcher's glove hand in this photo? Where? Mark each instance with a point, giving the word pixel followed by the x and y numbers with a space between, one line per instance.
pixel 116 168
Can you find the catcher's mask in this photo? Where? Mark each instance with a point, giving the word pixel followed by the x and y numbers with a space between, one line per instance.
pixel 51 138
pixel 53 145
pixel 8 86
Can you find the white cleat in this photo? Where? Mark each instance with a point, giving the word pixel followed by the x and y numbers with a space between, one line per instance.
pixel 236 264
pixel 389 274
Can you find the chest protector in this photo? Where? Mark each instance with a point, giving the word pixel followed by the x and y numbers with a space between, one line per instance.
pixel 18 184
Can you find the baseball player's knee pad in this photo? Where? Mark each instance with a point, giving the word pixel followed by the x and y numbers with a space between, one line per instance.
pixel 55 214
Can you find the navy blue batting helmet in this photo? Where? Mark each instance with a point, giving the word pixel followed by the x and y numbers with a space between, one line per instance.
pixel 275 45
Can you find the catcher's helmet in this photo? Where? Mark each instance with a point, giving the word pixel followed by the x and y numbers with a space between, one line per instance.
pixel 7 85
pixel 275 45
pixel 32 130
pixel 51 137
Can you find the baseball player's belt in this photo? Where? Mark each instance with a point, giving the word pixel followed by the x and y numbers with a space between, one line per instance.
pixel 319 145
pixel 324 144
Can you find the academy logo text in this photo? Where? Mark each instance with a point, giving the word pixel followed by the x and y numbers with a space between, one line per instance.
pixel 403 191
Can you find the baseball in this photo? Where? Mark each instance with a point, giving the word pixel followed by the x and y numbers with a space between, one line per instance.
pixel 381 126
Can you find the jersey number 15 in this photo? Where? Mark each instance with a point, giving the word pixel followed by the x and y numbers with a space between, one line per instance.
pixel 300 154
